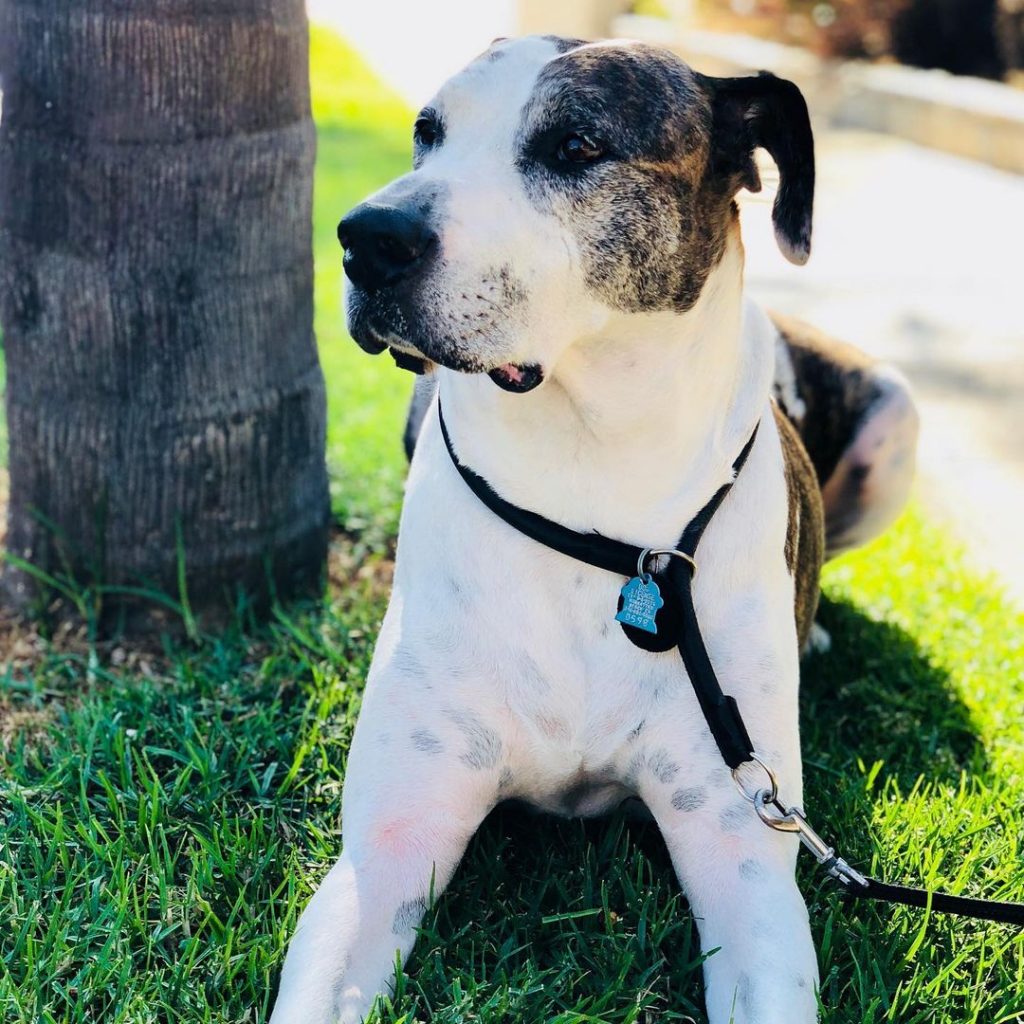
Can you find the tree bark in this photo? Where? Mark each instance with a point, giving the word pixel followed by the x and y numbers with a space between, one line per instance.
pixel 164 393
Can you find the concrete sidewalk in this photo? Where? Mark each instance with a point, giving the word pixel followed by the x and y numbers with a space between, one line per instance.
pixel 918 258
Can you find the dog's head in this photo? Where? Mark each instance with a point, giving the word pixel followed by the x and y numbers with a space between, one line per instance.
pixel 555 182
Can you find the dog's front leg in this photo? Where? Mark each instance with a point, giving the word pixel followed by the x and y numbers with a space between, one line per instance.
pixel 416 790
pixel 738 875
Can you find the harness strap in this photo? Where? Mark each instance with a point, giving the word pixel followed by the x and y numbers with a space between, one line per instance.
pixel 720 710
pixel 600 552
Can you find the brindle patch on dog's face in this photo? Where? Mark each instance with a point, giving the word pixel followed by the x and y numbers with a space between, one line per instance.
pixel 648 219
pixel 537 249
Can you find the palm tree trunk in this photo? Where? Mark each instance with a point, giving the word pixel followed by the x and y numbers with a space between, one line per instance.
pixel 164 394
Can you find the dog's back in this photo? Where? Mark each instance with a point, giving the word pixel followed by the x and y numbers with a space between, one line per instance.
pixel 857 420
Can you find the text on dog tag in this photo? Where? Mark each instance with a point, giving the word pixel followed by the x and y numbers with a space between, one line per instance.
pixel 641 600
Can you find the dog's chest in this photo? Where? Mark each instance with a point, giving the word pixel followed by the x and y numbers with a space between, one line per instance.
pixel 519 641
pixel 526 639
pixel 581 707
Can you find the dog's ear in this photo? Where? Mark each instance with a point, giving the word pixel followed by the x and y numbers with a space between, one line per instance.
pixel 762 110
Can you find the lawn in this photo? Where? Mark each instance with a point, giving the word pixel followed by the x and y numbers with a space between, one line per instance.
pixel 164 814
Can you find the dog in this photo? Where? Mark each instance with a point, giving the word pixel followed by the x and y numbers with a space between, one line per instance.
pixel 565 262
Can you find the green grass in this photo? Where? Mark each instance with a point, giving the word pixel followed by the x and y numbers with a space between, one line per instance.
pixel 164 816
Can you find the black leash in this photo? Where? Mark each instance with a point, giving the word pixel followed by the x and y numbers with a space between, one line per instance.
pixel 656 611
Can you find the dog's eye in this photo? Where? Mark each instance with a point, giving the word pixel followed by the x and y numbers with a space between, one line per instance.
pixel 425 131
pixel 579 149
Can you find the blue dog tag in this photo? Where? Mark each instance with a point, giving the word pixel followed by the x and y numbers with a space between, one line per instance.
pixel 641 600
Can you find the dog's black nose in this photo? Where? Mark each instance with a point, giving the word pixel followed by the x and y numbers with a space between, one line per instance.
pixel 383 244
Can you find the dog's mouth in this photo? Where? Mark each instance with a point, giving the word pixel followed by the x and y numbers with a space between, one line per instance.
pixel 517 377
pixel 378 326
pixel 408 361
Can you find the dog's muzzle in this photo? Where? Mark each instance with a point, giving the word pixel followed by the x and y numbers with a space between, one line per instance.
pixel 388 250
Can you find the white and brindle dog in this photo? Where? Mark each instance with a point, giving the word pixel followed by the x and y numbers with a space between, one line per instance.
pixel 565 260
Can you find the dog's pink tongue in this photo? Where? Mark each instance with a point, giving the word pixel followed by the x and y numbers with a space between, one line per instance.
pixel 511 373
pixel 517 377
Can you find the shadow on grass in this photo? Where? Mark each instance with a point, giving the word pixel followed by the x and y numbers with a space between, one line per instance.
pixel 877 697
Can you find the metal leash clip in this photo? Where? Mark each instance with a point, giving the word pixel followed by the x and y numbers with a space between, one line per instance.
pixel 793 820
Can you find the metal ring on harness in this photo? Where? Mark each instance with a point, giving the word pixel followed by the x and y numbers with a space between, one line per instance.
pixel 647 553
pixel 770 794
